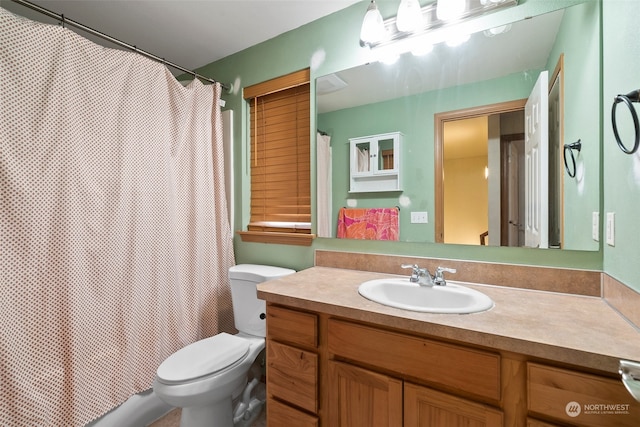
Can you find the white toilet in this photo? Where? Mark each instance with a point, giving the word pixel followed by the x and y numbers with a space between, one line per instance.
pixel 208 377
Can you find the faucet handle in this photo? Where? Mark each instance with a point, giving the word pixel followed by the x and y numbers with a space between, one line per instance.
pixel 414 271
pixel 438 278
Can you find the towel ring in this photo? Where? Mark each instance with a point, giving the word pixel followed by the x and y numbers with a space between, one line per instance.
pixel 627 99
pixel 570 147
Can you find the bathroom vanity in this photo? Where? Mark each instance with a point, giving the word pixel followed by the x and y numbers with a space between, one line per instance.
pixel 536 358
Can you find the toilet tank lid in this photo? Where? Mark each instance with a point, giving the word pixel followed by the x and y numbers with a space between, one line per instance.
pixel 258 273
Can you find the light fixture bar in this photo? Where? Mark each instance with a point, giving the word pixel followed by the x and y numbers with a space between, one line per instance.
pixel 431 22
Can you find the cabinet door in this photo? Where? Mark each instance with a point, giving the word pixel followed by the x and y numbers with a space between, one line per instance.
pixel 362 157
pixel 359 397
pixel 385 156
pixel 424 407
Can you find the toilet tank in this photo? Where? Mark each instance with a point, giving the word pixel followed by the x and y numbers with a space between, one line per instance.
pixel 249 311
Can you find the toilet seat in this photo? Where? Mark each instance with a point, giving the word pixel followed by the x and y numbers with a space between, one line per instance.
pixel 203 358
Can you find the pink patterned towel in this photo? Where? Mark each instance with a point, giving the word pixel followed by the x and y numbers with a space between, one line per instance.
pixel 368 224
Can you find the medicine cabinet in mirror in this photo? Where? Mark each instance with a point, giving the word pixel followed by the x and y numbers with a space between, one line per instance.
pixel 488 79
pixel 374 163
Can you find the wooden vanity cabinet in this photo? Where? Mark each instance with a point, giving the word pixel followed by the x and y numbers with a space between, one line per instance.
pixel 324 371
pixel 292 368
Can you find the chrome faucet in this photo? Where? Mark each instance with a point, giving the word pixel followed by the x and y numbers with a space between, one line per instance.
pixel 422 276
pixel 439 276
pixel 419 275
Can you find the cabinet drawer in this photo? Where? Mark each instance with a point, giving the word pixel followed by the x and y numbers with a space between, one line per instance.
pixel 579 398
pixel 281 415
pixel 292 326
pixel 473 371
pixel 292 375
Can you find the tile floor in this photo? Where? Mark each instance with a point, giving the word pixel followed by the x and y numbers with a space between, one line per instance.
pixel 172 419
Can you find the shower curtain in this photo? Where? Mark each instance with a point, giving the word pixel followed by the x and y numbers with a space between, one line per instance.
pixel 114 242
pixel 324 190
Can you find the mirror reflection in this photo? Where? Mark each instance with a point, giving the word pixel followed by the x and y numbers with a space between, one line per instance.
pixel 481 126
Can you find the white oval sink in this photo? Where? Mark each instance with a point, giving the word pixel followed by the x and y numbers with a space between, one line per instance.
pixel 401 293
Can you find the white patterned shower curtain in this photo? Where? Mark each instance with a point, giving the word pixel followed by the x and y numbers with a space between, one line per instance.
pixel 114 242
pixel 323 191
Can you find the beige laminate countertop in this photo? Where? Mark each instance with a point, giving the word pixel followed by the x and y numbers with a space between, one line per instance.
pixel 579 330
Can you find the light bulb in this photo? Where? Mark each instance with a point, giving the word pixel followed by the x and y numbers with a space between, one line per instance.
pixel 409 17
pixel 372 30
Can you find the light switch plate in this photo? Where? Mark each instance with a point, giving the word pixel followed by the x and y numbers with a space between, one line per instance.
pixel 611 228
pixel 419 217
pixel 595 226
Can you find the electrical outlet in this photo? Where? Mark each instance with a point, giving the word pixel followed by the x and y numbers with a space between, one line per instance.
pixel 419 217
pixel 595 226
pixel 611 228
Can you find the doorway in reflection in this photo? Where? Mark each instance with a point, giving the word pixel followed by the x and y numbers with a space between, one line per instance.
pixel 483 179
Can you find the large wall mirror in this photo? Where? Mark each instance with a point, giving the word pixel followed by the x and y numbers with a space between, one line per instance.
pixel 462 112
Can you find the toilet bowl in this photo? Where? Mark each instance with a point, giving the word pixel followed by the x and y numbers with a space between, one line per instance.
pixel 209 377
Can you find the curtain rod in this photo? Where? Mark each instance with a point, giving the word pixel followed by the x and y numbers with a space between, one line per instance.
pixel 65 21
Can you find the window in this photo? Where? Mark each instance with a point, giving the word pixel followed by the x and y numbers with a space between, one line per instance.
pixel 280 160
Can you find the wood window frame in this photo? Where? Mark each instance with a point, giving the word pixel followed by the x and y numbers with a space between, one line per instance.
pixel 261 228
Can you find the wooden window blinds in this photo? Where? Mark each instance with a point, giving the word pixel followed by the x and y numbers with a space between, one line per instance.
pixel 280 154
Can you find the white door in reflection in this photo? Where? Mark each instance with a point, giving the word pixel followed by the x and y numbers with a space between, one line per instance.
pixel 536 134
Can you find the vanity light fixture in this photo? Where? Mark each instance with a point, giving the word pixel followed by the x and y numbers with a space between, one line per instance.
pixel 433 23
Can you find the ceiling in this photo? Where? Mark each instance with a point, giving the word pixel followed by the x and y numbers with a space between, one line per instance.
pixel 188 33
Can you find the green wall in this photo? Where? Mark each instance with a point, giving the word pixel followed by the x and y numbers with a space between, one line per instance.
pixel 328 45
pixel 621 72
pixel 582 118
